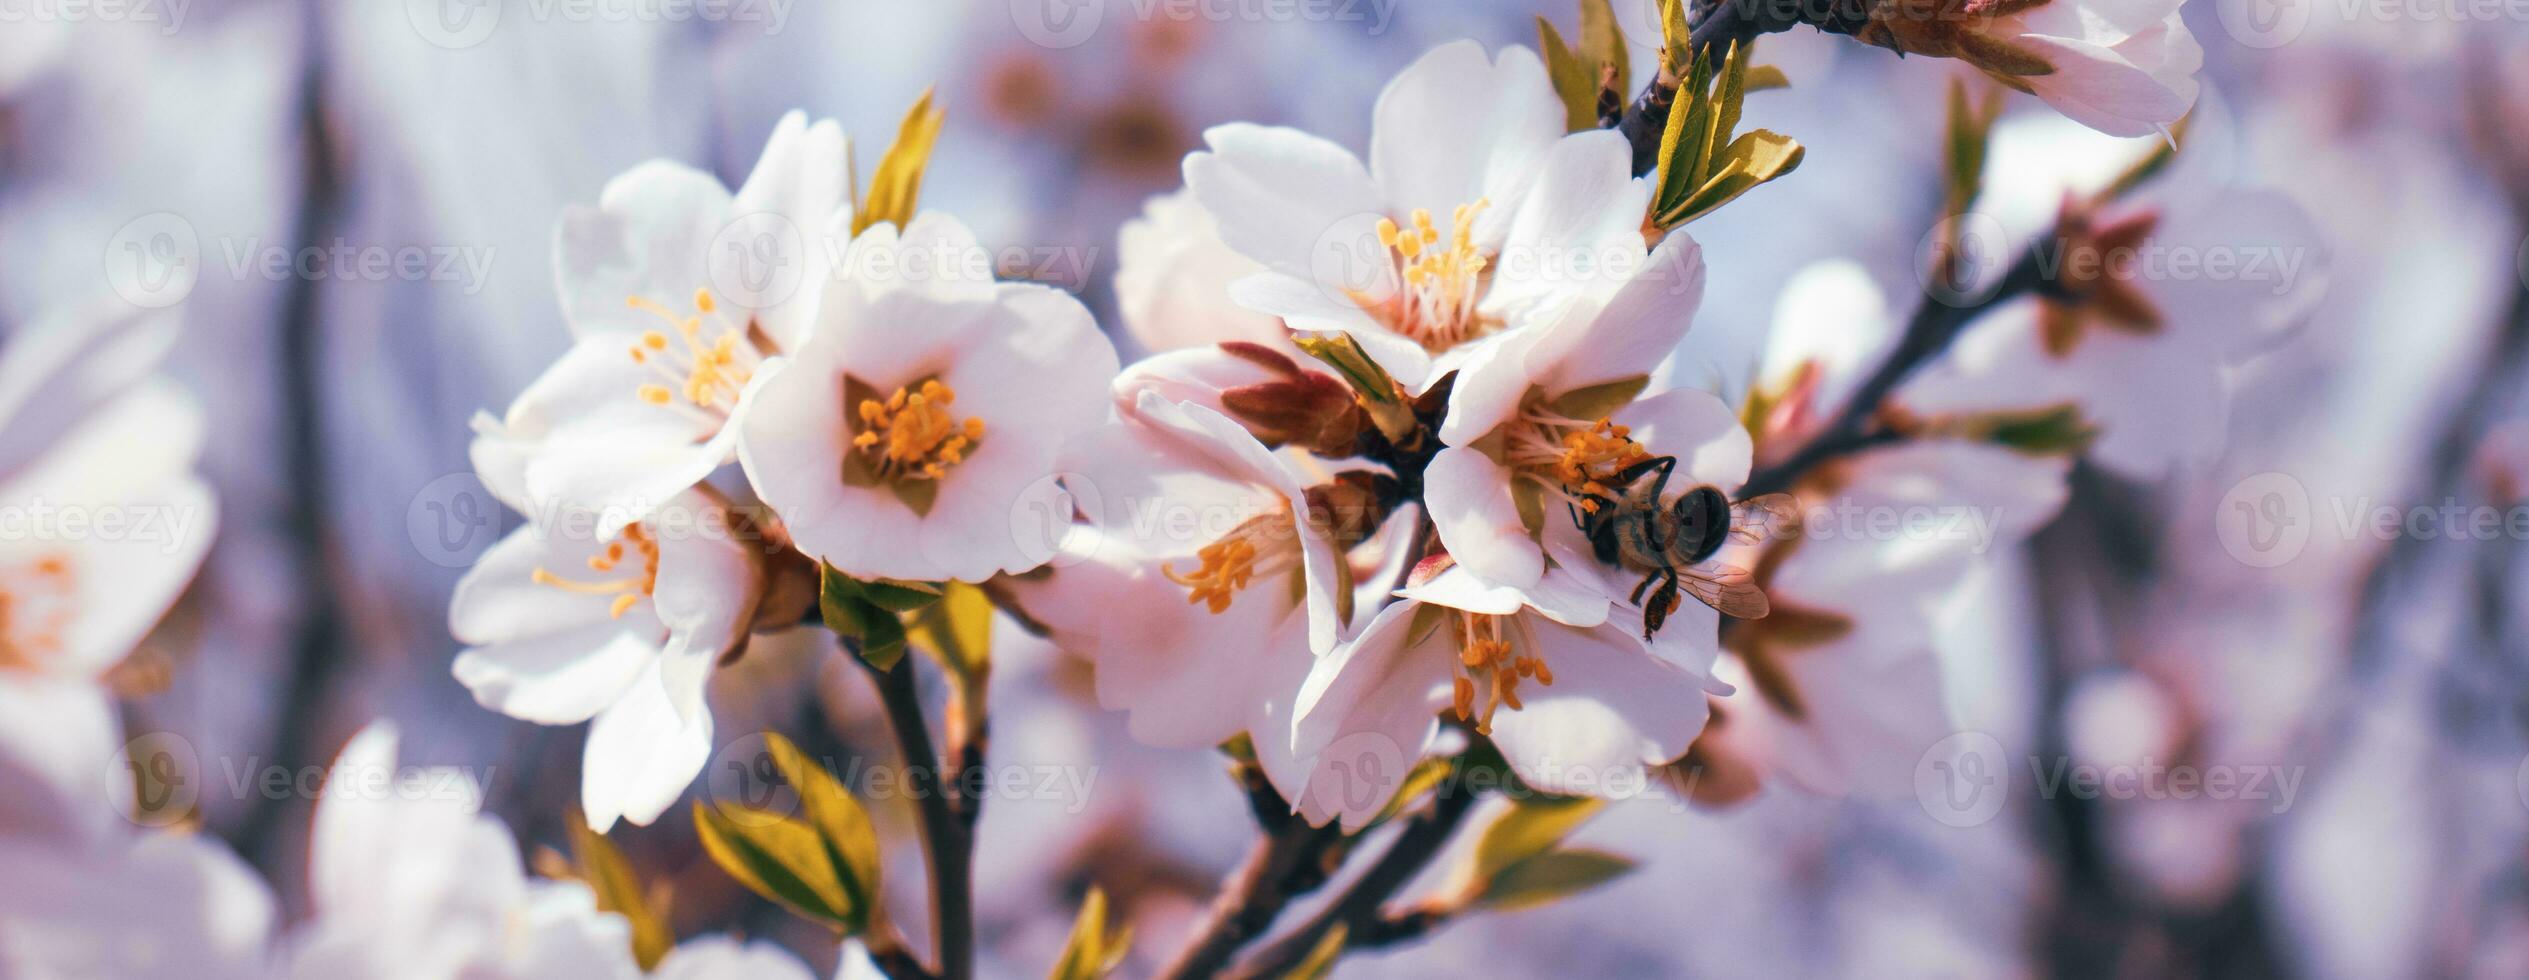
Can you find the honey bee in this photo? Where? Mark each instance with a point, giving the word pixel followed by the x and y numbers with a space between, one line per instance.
pixel 1672 540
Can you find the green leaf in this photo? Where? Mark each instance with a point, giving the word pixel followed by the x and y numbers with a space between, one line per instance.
pixel 895 190
pixel 1702 165
pixel 1550 876
pixel 781 859
pixel 1371 385
pixel 1092 952
pixel 841 824
pixel 2057 431
pixel 1766 78
pixel 1578 70
pixel 957 629
pixel 618 890
pixel 1600 400
pixel 1321 957
pixel 1530 827
pixel 871 612
pixel 1420 780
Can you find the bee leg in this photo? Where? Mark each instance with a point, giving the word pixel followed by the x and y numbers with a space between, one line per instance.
pixel 1662 602
pixel 1636 597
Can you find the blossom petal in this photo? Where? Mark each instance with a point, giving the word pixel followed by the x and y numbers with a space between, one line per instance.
pixel 642 754
pixel 1612 709
pixel 1469 496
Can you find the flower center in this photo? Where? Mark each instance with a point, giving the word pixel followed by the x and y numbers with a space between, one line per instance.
pixel 703 362
pixel 1436 308
pixel 628 590
pixel 911 435
pixel 1264 546
pixel 1575 456
pixel 37 603
pixel 1489 668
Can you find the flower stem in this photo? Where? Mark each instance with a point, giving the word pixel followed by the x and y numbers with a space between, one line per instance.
pixel 1288 861
pixel 948 837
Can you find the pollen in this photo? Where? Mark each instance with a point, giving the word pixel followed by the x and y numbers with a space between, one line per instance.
pixel 702 361
pixel 1261 547
pixel 1443 278
pixel 1490 669
pixel 38 601
pixel 627 590
pixel 1578 457
pixel 913 435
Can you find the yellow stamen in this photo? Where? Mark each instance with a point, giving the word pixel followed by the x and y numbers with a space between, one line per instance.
pixel 1263 547
pixel 38 602
pixel 629 591
pixel 711 365
pixel 912 434
pixel 1442 284
pixel 1583 459
pixel 1488 664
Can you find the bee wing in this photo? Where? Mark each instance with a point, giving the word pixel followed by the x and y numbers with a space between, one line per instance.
pixel 1727 588
pixel 1755 519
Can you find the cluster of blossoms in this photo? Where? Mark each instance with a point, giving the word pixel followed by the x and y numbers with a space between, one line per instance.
pixel 1411 465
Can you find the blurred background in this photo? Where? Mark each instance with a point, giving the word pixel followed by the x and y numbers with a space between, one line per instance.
pixel 368 191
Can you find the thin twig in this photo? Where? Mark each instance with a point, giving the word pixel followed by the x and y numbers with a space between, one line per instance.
pixel 948 841
pixel 1280 867
pixel 1934 326
pixel 1359 906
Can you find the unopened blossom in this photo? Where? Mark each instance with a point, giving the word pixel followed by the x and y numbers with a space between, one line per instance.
pixel 2122 68
pixel 917 431
pixel 1475 214
pixel 647 400
pixel 1173 276
pixel 407 878
pixel 1556 674
pixel 565 625
pixel 1549 427
pixel 1203 583
pixel 2154 302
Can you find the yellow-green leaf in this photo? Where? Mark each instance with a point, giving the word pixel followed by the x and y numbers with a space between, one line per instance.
pixel 1092 952
pixel 1765 78
pixel 841 824
pixel 779 858
pixel 1420 780
pixel 1550 876
pixel 1371 384
pixel 1573 81
pixel 895 190
pixel 1530 827
pixel 957 629
pixel 1600 400
pixel 1755 158
pixel 1321 957
pixel 618 890
pixel 1603 44
pixel 867 612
